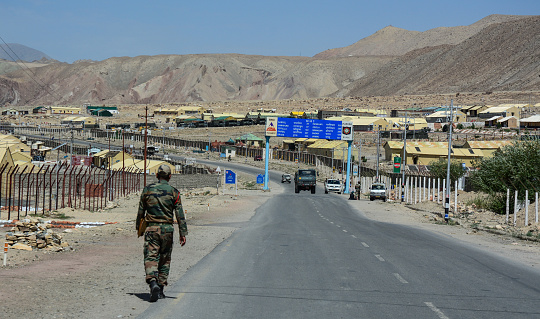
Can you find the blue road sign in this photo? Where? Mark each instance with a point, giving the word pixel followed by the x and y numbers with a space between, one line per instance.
pixel 321 129
pixel 230 177
pixel 260 179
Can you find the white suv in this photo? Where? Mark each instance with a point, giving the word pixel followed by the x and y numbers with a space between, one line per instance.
pixel 377 190
pixel 333 185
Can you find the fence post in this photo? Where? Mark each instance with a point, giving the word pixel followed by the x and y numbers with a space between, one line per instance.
pixel 424 189
pixel 15 169
pixel 526 207
pixel 438 190
pixel 515 207
pixel 20 193
pixel 507 204
pixel 536 206
pixel 51 187
pixel 1 179
pixel 455 196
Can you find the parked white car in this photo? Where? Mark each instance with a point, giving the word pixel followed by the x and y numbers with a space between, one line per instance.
pixel 333 185
pixel 377 191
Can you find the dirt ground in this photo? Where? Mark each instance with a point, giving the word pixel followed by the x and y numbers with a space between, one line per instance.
pixel 101 274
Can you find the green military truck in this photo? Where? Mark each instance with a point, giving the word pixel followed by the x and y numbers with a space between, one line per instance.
pixel 305 179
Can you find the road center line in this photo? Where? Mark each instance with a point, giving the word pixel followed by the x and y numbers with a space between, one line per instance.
pixel 398 277
pixel 365 245
pixel 344 231
pixel 353 236
pixel 379 257
pixel 436 310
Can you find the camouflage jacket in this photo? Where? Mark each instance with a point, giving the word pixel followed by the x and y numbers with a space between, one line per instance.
pixel 159 201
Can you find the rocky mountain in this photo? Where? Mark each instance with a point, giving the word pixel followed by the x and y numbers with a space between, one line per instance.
pixel 496 53
pixel 501 57
pixel 396 42
pixel 180 78
pixel 15 51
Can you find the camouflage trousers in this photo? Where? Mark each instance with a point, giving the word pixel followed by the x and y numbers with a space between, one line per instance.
pixel 158 245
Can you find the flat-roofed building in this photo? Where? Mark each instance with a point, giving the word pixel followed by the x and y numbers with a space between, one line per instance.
pixel 502 110
pixel 419 155
pixel 530 122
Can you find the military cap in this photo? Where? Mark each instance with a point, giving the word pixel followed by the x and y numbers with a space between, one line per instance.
pixel 164 170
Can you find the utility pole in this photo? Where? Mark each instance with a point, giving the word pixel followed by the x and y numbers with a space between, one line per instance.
pixel 123 165
pixel 145 142
pixel 378 152
pixel 71 147
pixel 404 158
pixel 447 198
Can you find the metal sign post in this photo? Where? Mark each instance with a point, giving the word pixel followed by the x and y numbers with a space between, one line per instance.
pixel 308 128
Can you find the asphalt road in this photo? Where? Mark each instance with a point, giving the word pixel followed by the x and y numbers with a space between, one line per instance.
pixel 314 256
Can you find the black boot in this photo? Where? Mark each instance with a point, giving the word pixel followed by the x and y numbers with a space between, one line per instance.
pixel 161 294
pixel 154 291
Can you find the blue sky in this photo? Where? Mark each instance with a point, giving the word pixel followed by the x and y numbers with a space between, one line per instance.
pixel 68 30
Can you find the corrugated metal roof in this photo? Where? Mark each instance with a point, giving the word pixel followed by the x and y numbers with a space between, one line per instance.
pixel 399 144
pixel 492 118
pixel 532 119
pixel 324 144
pixel 445 113
pixel 488 144
pixel 434 151
pixel 504 119
pixel 499 109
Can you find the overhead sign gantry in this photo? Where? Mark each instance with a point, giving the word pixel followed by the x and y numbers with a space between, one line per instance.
pixel 308 128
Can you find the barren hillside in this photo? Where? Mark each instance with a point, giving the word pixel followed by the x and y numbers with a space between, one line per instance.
pixel 392 41
pixel 175 78
pixel 501 57
pixel 485 56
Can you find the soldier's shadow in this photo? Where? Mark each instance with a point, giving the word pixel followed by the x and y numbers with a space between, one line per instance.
pixel 144 296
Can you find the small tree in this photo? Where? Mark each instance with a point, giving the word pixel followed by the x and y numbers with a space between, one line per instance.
pixel 515 167
pixel 438 170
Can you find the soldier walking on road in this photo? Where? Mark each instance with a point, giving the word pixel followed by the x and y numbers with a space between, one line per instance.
pixel 159 202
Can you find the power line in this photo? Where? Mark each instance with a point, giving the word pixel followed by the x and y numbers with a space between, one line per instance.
pixel 42 85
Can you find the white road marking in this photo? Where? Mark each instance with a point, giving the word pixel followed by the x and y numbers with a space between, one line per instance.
pixel 436 310
pixel 338 226
pixel 344 231
pixel 353 236
pixel 331 222
pixel 365 245
pixel 398 277
pixel 379 257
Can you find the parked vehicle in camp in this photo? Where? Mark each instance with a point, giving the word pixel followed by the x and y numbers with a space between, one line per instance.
pixel 377 191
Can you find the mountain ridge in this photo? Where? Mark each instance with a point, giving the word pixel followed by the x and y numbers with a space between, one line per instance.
pixel 500 56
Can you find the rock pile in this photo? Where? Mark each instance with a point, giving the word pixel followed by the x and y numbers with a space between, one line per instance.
pixel 28 234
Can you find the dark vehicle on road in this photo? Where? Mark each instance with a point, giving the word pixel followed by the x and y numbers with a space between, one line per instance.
pixel 286 178
pixel 305 179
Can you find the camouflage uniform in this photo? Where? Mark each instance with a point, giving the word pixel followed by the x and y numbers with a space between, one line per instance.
pixel 160 201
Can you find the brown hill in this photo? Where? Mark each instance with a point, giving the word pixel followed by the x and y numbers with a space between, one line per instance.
pixel 175 78
pixel 395 41
pixel 501 57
